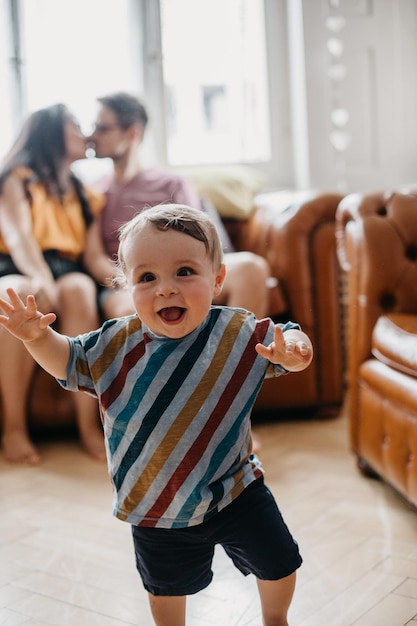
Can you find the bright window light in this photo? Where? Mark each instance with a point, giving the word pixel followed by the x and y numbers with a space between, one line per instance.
pixel 6 78
pixel 215 75
pixel 76 51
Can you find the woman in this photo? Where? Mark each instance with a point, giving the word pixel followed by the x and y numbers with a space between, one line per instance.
pixel 44 217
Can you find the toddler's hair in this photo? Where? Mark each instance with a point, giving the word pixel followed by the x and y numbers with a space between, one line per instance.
pixel 179 217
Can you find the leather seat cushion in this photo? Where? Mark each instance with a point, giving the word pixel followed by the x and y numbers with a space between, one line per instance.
pixel 394 342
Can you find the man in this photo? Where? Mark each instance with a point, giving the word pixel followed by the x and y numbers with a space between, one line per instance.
pixel 119 132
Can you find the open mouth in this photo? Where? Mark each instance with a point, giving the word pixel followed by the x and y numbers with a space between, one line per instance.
pixel 171 314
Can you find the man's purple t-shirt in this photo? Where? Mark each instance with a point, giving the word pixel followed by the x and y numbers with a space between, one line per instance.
pixel 148 188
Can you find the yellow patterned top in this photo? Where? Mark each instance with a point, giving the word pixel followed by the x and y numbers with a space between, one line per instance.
pixel 57 225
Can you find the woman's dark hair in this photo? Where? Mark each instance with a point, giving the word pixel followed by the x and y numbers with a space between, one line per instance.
pixel 40 146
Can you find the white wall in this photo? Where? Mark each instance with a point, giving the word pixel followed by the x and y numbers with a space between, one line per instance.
pixel 379 92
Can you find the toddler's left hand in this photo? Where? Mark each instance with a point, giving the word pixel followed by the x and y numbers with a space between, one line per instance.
pixel 292 349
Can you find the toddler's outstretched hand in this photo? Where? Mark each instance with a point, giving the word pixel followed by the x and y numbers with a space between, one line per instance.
pixel 24 321
pixel 292 349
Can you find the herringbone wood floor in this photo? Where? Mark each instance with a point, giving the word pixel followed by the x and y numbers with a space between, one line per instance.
pixel 64 560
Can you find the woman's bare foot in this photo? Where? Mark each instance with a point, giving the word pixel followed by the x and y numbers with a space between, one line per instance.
pixel 93 441
pixel 18 448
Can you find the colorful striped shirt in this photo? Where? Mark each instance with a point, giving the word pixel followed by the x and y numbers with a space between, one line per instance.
pixel 176 412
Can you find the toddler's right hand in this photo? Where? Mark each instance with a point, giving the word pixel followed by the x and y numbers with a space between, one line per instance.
pixel 24 321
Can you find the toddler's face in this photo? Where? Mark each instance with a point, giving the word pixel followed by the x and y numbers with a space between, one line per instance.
pixel 172 280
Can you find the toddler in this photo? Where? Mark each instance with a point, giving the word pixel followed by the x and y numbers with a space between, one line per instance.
pixel 176 383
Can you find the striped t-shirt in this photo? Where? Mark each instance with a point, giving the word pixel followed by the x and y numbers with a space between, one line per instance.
pixel 176 412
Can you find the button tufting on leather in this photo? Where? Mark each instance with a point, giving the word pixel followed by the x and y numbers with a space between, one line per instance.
pixel 387 301
pixel 411 252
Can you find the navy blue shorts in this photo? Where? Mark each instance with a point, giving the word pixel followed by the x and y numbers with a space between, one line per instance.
pixel 177 562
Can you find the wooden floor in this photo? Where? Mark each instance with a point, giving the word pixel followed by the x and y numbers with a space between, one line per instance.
pixel 64 560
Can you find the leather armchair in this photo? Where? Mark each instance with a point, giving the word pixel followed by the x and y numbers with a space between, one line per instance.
pixel 377 248
pixel 295 231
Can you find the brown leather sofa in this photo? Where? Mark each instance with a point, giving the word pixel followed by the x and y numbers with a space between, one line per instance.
pixel 377 247
pixel 296 233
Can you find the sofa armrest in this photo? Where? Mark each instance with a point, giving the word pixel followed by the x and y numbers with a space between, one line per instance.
pixel 394 342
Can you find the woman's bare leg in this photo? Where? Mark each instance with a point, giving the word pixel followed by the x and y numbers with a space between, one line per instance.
pixel 78 314
pixel 16 370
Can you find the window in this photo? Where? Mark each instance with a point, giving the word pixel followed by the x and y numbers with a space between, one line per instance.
pixel 8 105
pixel 76 51
pixel 71 52
pixel 215 78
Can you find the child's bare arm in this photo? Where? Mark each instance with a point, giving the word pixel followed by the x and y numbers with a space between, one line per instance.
pixel 292 349
pixel 25 322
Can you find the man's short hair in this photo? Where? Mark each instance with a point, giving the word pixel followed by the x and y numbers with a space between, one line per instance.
pixel 128 109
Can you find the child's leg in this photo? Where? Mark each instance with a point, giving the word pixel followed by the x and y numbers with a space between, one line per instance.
pixel 168 610
pixel 276 596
